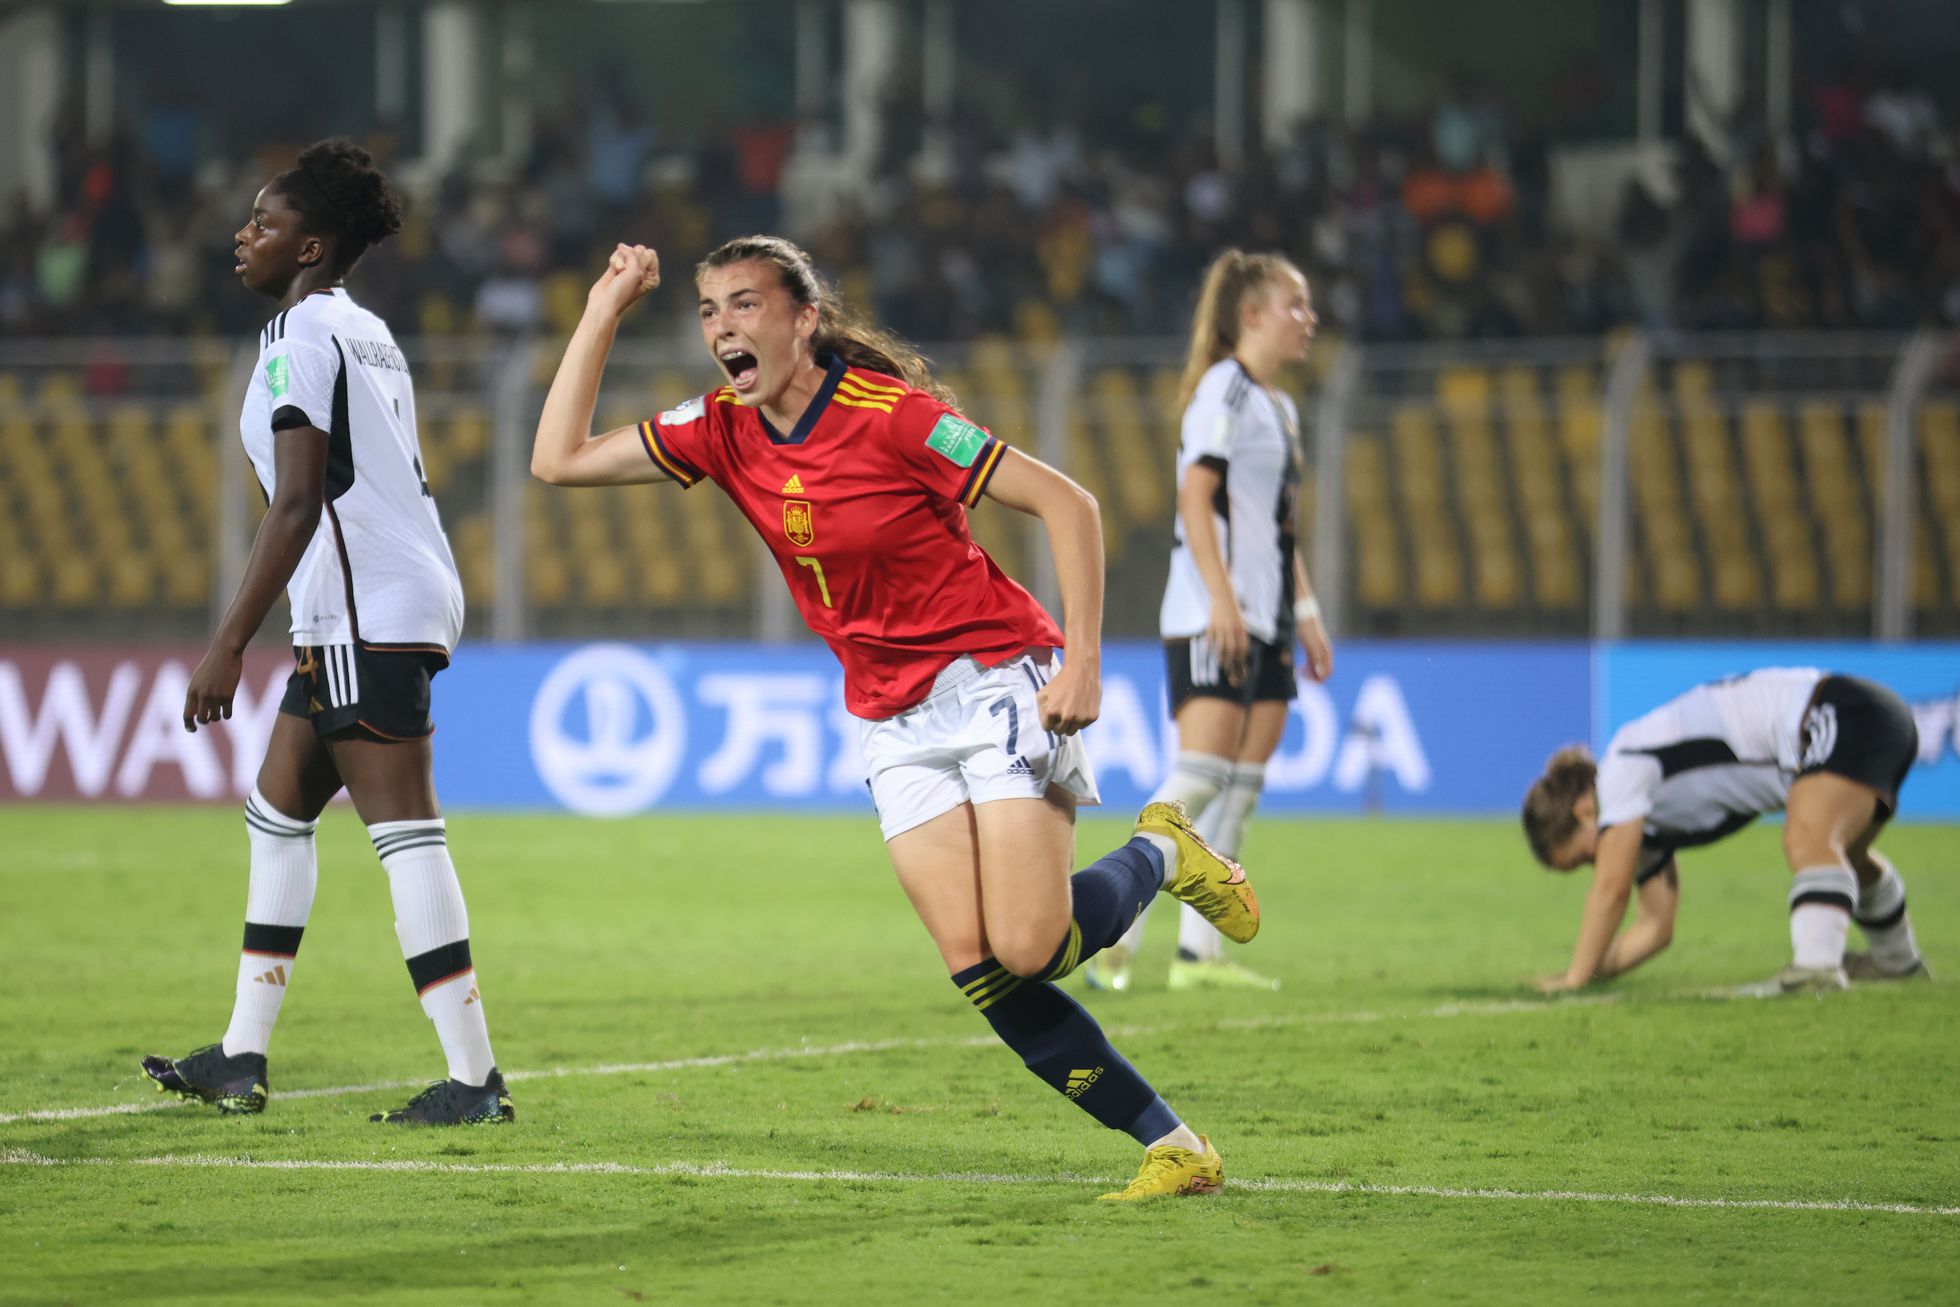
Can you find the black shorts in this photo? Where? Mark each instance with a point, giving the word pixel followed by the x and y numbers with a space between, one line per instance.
pixel 1194 671
pixel 373 692
pixel 1861 731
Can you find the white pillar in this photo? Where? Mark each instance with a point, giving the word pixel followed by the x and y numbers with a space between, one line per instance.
pixel 98 77
pixel 1358 56
pixel 870 61
pixel 514 90
pixel 391 65
pixel 1649 74
pixel 1295 32
pixel 31 89
pixel 1228 81
pixel 451 53
pixel 1714 58
pixel 812 56
pixel 937 67
pixel 1776 65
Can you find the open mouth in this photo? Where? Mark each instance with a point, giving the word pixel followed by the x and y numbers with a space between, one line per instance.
pixel 740 365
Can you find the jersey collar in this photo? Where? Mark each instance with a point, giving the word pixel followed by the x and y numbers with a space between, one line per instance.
pixel 834 368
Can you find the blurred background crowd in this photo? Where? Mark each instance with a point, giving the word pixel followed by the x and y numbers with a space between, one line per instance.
pixel 1436 218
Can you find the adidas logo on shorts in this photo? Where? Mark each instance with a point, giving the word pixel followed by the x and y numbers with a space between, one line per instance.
pixel 1019 767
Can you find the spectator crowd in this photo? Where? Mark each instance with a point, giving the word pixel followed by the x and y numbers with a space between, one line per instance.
pixel 1437 226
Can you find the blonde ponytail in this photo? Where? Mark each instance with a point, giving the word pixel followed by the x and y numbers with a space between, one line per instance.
pixel 1232 278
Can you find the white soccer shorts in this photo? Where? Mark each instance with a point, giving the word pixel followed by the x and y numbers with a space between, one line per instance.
pixel 976 738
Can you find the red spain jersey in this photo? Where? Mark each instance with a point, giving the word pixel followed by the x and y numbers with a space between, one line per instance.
pixel 864 506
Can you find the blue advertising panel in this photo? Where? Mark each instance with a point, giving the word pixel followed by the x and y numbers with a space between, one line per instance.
pixel 621 728
pixel 1634 678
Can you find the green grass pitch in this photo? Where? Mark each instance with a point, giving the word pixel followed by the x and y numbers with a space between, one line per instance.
pixel 744 1078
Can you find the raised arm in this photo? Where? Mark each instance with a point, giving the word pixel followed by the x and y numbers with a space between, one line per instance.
pixel 1606 904
pixel 565 452
pixel 1073 698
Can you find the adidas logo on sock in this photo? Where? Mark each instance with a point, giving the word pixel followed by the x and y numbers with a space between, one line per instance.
pixel 1019 767
pixel 472 998
pixel 1079 1082
pixel 276 976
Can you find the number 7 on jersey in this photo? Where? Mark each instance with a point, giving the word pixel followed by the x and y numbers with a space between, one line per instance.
pixel 823 587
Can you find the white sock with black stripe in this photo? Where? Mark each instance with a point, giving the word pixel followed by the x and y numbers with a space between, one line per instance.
pixel 278 900
pixel 1223 827
pixel 1881 915
pixel 1194 781
pixel 433 925
pixel 1821 900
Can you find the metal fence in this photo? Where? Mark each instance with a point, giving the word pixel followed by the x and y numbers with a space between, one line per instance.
pixel 1737 485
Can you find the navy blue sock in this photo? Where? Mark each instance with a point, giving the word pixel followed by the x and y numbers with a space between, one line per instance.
pixel 1062 1044
pixel 1108 895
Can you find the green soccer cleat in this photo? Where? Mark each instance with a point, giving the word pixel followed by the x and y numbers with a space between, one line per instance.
pixel 1109 969
pixel 1170 1172
pixel 1860 966
pixel 451 1102
pixel 235 1086
pixel 1217 973
pixel 1205 878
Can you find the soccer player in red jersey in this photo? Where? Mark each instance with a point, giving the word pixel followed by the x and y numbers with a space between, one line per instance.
pixel 850 462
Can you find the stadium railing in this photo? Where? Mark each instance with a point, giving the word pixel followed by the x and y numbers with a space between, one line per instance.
pixel 1744 485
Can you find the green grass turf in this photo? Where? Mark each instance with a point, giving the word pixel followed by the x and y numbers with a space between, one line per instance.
pixel 1402 1051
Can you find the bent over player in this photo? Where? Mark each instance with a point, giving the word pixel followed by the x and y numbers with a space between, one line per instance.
pixel 351 532
pixel 849 461
pixel 1830 751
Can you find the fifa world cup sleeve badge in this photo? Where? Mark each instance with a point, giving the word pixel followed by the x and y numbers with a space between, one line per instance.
pixel 798 523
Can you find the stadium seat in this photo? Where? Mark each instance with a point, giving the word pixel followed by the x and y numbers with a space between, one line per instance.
pixel 1536 473
pixel 1720 514
pixel 1780 516
pixel 1418 461
pixel 1374 545
pixel 1840 509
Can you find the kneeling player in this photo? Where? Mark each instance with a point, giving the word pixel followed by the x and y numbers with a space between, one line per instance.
pixel 1831 751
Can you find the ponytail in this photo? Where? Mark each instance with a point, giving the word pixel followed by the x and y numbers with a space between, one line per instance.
pixel 1230 280
pixel 841 332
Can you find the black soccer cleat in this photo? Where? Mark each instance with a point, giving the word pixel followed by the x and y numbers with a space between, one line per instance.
pixel 451 1102
pixel 233 1085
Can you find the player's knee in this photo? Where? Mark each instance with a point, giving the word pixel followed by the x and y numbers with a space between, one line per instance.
pixel 1808 842
pixel 1026 950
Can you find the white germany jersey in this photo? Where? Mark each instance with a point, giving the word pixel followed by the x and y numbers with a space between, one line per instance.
pixel 378 569
pixel 1249 436
pixel 1709 762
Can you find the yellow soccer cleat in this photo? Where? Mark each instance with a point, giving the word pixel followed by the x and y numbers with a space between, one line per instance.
pixel 1170 1172
pixel 1217 973
pixel 1205 878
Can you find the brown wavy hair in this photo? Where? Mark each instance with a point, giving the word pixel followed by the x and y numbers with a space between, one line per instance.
pixel 849 336
pixel 1232 278
pixel 1548 817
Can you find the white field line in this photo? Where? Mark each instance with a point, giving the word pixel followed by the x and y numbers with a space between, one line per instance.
pixel 717 1171
pixel 1507 1007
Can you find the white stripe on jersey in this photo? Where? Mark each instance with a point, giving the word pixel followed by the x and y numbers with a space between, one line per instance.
pixel 379 567
pixel 1235 421
pixel 1709 761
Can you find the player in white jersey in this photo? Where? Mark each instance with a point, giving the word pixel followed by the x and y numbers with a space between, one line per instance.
pixel 351 533
pixel 1238 594
pixel 1829 751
